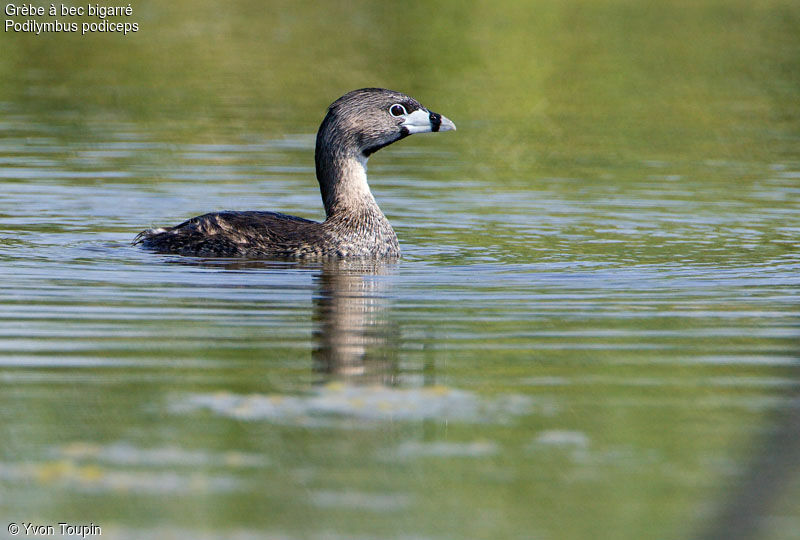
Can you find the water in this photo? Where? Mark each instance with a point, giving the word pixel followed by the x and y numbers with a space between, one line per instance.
pixel 593 331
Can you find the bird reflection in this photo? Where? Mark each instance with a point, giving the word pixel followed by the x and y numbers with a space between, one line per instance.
pixel 355 339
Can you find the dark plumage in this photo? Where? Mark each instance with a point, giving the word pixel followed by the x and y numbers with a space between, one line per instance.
pixel 357 125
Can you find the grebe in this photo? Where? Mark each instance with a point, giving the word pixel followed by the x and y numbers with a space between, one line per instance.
pixel 357 125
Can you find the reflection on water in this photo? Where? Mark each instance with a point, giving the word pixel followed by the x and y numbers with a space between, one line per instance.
pixel 356 349
pixel 355 337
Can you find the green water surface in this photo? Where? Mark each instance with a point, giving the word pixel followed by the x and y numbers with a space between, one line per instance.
pixel 593 332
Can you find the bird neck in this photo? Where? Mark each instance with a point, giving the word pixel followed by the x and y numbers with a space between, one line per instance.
pixel 342 176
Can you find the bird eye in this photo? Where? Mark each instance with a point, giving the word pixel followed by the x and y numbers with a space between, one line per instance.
pixel 397 110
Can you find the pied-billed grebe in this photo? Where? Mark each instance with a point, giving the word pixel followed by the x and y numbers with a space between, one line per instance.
pixel 357 124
